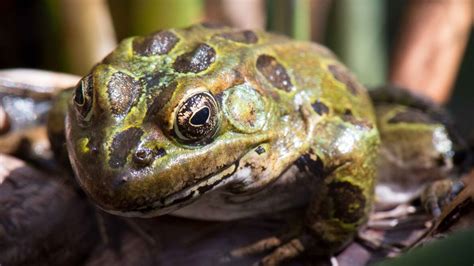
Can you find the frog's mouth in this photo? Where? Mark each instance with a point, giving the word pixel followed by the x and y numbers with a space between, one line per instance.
pixel 184 196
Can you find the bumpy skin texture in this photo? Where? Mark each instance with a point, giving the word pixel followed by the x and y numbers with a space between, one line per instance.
pixel 416 150
pixel 418 143
pixel 223 118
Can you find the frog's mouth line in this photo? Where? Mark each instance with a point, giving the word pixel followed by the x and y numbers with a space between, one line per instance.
pixel 184 196
pixel 208 183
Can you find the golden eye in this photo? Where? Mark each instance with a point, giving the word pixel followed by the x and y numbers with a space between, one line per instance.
pixel 197 118
pixel 83 98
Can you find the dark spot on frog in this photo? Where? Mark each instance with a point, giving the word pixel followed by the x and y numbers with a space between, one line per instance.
pixel 274 72
pixel 348 201
pixel 157 44
pixel 349 117
pixel 259 150
pixel 197 60
pixel 245 36
pixel 212 25
pixel 123 92
pixel 342 75
pixel 152 80
pixel 411 116
pixel 159 101
pixel 320 108
pixel 122 144
pixel 254 167
pixel 311 164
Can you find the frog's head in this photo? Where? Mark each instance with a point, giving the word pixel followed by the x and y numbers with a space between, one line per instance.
pixel 160 122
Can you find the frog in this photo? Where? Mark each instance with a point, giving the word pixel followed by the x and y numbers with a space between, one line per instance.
pixel 416 158
pixel 216 123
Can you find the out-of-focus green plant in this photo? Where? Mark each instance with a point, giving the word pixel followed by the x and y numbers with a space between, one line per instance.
pixel 457 249
pixel 290 17
pixel 356 34
pixel 301 20
pixel 278 16
pixel 150 15
pixel 86 32
pixel 139 17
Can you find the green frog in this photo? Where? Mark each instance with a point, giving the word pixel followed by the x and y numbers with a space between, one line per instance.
pixel 220 124
pixel 416 155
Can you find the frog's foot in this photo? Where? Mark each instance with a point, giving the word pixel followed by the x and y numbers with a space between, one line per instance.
pixel 257 247
pixel 384 220
pixel 283 248
pixel 288 250
pixel 439 194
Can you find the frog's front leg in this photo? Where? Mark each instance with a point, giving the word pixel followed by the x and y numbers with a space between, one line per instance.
pixel 343 176
pixel 343 198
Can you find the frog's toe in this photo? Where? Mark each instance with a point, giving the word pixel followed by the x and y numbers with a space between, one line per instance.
pixel 439 194
pixel 290 249
pixel 281 249
pixel 257 247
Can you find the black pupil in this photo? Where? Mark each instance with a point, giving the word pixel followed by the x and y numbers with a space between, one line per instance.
pixel 200 117
pixel 78 97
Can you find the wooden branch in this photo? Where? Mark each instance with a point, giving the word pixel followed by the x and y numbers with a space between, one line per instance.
pixel 431 43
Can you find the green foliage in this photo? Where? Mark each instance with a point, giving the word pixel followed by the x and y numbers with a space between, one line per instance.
pixel 356 34
pixel 457 249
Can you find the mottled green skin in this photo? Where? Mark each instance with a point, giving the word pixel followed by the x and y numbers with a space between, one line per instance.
pixel 314 122
pixel 416 150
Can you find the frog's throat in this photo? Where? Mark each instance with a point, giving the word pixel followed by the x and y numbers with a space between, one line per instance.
pixel 185 196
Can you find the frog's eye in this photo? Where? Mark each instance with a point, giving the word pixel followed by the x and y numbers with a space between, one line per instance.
pixel 197 118
pixel 83 97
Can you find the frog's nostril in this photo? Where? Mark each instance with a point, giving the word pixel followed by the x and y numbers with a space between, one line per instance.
pixel 145 156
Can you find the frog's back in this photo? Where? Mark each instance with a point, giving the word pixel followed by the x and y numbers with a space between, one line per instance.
pixel 284 67
pixel 276 66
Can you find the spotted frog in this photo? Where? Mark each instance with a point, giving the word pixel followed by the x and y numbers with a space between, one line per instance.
pixel 218 123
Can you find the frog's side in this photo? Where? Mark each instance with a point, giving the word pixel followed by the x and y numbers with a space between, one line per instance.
pixel 229 123
pixel 416 151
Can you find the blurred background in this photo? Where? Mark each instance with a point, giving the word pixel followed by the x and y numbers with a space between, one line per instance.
pixel 425 45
